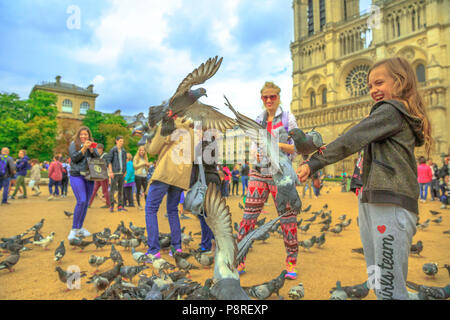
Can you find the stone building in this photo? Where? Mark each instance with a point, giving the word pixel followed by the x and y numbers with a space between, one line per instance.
pixel 336 43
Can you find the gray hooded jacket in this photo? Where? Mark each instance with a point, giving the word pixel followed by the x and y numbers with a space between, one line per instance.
pixel 388 136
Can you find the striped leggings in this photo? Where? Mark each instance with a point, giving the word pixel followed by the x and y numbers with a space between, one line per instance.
pixel 259 188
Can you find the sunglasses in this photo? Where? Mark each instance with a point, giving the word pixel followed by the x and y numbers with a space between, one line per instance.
pixel 271 97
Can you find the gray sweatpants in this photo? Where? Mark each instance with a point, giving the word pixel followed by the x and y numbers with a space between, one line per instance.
pixel 386 234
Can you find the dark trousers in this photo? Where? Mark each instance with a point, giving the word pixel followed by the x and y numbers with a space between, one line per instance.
pixel 225 188
pixel 128 196
pixel 235 186
pixel 104 185
pixel 54 183
pixel 117 185
pixel 4 184
pixel 64 186
pixel 141 182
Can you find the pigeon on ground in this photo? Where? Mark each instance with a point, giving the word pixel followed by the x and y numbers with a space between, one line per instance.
pixel 205 260
pixel 356 292
pixel 177 275
pixel 305 227
pixel 284 176
pixel 226 277
pixel 297 292
pixel 430 293
pixel 308 143
pixel 38 226
pixel 325 206
pixel 184 255
pixel 60 251
pixel 37 236
pixel 187 239
pixel 417 248
pixel 338 292
pixel 261 291
pixel 320 240
pixel 424 225
pixel 129 272
pixel 240 206
pixel 96 261
pixel 14 238
pixel 80 243
pixel 312 219
pixel 299 223
pixel 165 241
pixel 99 242
pixel 65 276
pixel 326 221
pixel 137 230
pixel 202 293
pixel 438 220
pixel 129 243
pixel 306 209
pixel 446 232
pixel 44 243
pixel 430 269
pixel 68 214
pixel 346 223
pixel 435 213
pixel 182 263
pixel 342 218
pixel 115 255
pixel 110 274
pixel 161 264
pixel 100 283
pixel 325 228
pixel 154 293
pixel 358 250
pixel 259 223
pixel 337 229
pixel 446 266
pixel 236 227
pixel 140 257
pixel 10 261
pixel 307 244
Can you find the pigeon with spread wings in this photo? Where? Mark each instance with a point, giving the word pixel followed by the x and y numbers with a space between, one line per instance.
pixel 185 105
pixel 281 169
pixel 227 285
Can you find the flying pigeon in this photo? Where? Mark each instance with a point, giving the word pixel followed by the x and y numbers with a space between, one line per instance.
pixel 60 251
pixel 306 143
pixel 284 176
pixel 226 277
pixel 297 292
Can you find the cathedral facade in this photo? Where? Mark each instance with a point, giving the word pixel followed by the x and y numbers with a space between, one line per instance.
pixel 335 45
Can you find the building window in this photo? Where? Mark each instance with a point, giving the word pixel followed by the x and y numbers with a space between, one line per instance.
pixel 310 18
pixel 324 96
pixel 345 9
pixel 322 14
pixel 312 100
pixel 398 26
pixel 356 81
pixel 413 20
pixel 420 72
pixel 67 106
pixel 84 107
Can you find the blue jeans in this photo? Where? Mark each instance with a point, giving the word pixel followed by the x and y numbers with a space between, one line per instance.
pixel 225 188
pixel 52 183
pixel 156 193
pixel 4 183
pixel 244 180
pixel 424 190
pixel 207 234
pixel 82 189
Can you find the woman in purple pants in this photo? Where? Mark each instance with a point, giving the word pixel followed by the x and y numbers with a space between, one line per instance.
pixel 79 151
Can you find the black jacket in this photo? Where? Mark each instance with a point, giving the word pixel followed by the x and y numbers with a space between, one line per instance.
pixel 388 136
pixel 113 158
pixel 78 164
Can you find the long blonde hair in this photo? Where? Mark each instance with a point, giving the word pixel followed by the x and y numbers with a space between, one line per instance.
pixel 136 157
pixel 406 89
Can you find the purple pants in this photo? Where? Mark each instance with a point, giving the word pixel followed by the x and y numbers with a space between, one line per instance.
pixel 82 189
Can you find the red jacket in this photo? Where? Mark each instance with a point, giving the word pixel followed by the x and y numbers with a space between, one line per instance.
pixel 55 171
pixel 424 173
pixel 227 174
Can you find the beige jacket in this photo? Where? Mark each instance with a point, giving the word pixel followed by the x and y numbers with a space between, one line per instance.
pixel 175 155
pixel 35 173
pixel 140 165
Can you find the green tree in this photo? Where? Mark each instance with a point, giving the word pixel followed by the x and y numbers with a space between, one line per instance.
pixel 39 138
pixel 111 131
pixel 10 130
pixel 93 119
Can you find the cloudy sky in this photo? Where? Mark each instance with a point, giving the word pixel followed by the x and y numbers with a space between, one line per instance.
pixel 137 52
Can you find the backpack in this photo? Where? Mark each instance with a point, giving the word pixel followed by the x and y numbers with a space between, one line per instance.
pixel 285 122
pixel 3 166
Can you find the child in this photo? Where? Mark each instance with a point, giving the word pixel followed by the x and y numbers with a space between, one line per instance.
pixel 388 202
pixel 55 175
pixel 129 182
pixel 35 177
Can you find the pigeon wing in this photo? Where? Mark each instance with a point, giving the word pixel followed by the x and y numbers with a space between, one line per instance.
pixel 205 71
pixel 219 220
pixel 245 244
pixel 209 116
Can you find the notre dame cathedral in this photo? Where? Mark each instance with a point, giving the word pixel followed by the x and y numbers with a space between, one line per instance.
pixel 336 43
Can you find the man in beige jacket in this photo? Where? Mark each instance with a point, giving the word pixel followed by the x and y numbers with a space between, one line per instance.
pixel 172 176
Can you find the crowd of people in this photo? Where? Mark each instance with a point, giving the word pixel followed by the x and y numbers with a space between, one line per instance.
pixel 390 179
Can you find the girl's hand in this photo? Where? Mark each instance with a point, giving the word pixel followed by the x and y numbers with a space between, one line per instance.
pixel 303 172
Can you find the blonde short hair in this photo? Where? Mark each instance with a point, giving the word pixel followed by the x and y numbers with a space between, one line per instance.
pixel 271 85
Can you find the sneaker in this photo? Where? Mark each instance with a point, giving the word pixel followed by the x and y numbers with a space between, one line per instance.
pixel 291 271
pixel 21 197
pixel 104 207
pixel 155 256
pixel 7 203
pixel 73 234
pixel 444 206
pixel 84 232
pixel 241 268
pixel 51 198
pixel 11 198
pixel 203 250
pixel 140 208
pixel 171 254
pixel 120 208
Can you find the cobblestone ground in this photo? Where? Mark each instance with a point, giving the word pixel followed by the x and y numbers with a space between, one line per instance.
pixel 318 269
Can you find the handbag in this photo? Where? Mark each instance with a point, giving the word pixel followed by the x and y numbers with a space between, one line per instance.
pixel 97 169
pixel 195 197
